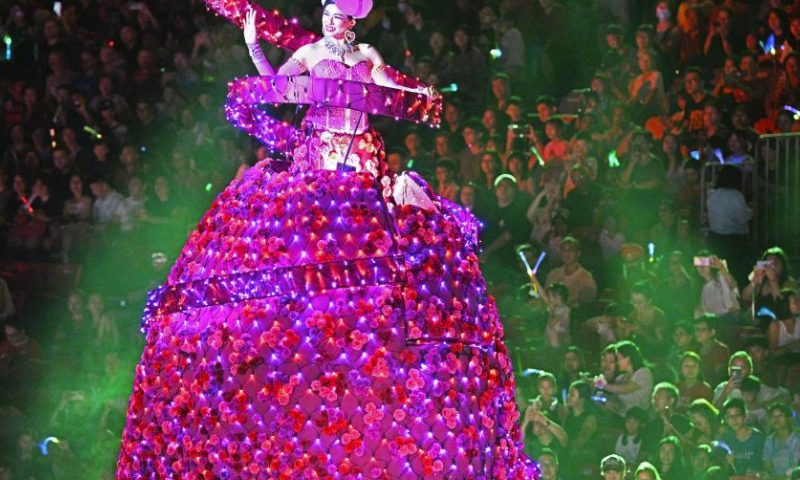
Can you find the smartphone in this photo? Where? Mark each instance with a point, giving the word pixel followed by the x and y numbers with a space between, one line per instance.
pixel 763 264
pixel 695 154
pixel 736 373
pixel 702 261
pixel 57 9
pixel 136 6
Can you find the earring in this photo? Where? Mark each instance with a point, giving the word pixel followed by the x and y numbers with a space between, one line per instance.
pixel 350 36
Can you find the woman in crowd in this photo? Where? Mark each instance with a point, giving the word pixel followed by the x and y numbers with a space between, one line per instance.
pixel 518 167
pixel 691 383
pixel 769 277
pixel 705 418
pixel 646 90
pixel 490 170
pixel 670 461
pixel 784 333
pixel 635 382
pixel 582 426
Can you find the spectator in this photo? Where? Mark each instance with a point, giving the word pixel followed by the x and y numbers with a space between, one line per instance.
pixel 728 217
pixel 637 380
pixel 646 90
pixel 548 464
pixel 677 284
pixel 713 352
pixel 782 446
pixel 582 426
pixel 720 296
pixel 546 402
pixel 447 186
pixel 613 467
pixel 756 414
pixel 17 346
pixel 580 283
pixel 583 202
pixel 547 434
pixel 555 298
pixel 670 459
pixel 468 67
pixel 705 419
pixel 106 202
pixel 648 322
pixel 629 443
pixel 504 230
pixel 691 383
pixel 784 333
pixel 646 471
pixel 740 366
pixel 701 461
pixel 665 420
pixel 490 170
pixel 746 443
pixel 131 209
pixel 518 167
pixel 769 277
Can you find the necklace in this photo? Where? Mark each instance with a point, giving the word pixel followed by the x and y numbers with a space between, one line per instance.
pixel 336 49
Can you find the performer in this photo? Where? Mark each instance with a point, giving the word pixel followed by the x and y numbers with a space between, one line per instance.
pixel 323 323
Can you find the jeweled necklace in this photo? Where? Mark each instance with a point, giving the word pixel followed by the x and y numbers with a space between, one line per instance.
pixel 336 49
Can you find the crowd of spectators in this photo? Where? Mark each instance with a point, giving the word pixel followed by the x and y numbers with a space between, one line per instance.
pixel 583 134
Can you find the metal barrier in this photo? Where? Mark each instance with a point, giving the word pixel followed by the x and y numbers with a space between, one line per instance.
pixel 776 194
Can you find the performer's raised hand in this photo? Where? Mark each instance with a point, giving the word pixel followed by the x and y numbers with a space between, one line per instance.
pixel 249 26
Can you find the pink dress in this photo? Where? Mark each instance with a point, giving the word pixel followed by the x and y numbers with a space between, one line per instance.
pixel 312 328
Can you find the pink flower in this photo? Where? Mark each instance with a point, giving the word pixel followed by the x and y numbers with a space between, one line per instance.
pixel 415 380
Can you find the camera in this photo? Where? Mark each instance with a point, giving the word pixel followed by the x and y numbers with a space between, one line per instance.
pixel 702 261
pixel 519 129
pixel 763 264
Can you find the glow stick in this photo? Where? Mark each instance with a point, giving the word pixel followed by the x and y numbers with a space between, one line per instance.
pixel 539 262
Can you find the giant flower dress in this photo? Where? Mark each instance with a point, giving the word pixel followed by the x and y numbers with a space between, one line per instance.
pixel 315 327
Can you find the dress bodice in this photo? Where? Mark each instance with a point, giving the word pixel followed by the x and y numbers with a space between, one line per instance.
pixel 342 120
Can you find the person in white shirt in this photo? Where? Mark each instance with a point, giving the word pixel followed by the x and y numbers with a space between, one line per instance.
pixel 106 201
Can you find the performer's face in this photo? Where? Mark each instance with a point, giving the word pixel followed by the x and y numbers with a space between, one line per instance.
pixel 334 22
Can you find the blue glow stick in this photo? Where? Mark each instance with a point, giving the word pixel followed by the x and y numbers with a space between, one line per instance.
pixel 43 444
pixel 539 262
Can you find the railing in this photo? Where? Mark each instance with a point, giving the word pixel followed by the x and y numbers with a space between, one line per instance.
pixel 776 195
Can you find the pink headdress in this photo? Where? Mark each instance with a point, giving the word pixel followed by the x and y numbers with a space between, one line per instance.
pixel 353 8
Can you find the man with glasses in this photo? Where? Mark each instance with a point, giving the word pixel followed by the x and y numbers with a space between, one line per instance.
pixel 693 100
pixel 746 443
pixel 613 467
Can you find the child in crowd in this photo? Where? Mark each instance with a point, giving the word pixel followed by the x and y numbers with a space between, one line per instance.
pixel 629 444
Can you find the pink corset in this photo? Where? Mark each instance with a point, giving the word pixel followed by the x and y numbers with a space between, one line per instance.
pixel 334 119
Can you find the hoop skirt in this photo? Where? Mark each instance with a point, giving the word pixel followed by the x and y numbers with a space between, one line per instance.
pixel 314 328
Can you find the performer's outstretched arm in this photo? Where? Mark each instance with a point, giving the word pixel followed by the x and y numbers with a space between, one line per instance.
pixel 382 78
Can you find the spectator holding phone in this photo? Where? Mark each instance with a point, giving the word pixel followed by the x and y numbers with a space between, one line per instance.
pixel 768 278
pixel 740 366
pixel 719 296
